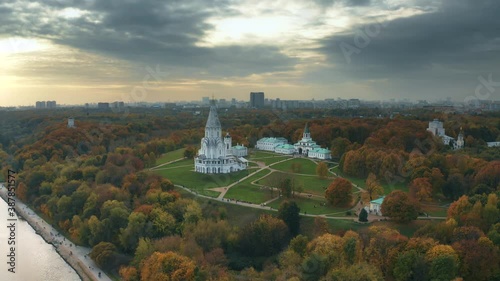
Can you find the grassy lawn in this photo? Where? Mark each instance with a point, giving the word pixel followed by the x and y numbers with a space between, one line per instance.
pixel 311 184
pixel 357 181
pixel 200 182
pixel 405 229
pixel 261 153
pixel 312 206
pixel 307 166
pixel 267 157
pixel 170 156
pixel 183 162
pixel 434 210
pixel 246 191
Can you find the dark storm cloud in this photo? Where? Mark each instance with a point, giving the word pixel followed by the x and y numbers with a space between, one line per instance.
pixel 147 32
pixel 462 36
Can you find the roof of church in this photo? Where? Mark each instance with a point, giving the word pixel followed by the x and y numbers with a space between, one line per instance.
pixel 306 129
pixel 213 118
pixel 378 201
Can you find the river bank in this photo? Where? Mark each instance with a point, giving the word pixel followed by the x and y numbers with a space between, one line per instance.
pixel 75 256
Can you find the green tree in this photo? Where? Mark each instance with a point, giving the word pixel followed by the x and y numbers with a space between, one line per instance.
pixel 103 254
pixel 299 244
pixel 363 215
pixel 443 262
pixel 410 265
pixel 289 212
pixel 163 222
pixel 144 249
pixel 137 227
pixel 339 193
pixel 264 237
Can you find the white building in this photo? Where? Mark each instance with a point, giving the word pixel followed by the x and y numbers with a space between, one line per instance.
pixel 285 149
pixel 320 153
pixel 215 155
pixel 375 206
pixel 493 144
pixel 269 143
pixel 306 144
pixel 239 150
pixel 71 122
pixel 437 129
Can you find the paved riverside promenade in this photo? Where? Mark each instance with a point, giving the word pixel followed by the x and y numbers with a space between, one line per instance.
pixel 77 257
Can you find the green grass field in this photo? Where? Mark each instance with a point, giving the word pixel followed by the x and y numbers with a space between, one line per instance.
pixel 200 182
pixel 183 162
pixel 306 166
pixel 310 184
pixel 313 206
pixel 267 157
pixel 170 156
pixel 246 191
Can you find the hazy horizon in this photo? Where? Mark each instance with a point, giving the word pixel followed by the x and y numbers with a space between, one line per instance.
pixel 77 52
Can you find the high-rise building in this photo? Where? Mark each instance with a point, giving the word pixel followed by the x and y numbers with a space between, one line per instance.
pixel 205 100
pixel 257 99
pixel 40 105
pixel 103 105
pixel 51 104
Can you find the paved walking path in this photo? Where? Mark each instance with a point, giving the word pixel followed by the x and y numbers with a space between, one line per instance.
pixel 76 256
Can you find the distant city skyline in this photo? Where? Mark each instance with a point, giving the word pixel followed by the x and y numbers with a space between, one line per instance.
pixel 81 101
pixel 145 51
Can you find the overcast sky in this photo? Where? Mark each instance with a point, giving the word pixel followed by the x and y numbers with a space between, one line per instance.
pixel 77 51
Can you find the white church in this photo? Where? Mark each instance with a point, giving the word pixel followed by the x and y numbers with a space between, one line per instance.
pixel 216 153
pixel 437 129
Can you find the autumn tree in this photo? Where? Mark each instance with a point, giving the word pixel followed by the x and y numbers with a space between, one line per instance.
pixel 443 262
pixel 339 193
pixel 384 244
pixel 476 258
pixel 361 271
pixel 373 187
pixel 421 189
pixel 322 170
pixel 168 266
pixel 190 152
pixel 398 206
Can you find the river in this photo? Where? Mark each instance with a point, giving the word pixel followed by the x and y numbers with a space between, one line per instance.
pixel 35 259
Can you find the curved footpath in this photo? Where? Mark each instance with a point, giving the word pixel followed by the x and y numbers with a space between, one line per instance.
pixel 76 256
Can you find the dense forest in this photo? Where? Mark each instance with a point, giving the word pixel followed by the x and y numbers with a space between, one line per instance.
pixel 93 183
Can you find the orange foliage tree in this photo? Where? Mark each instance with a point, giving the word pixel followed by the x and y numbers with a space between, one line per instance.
pixel 339 193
